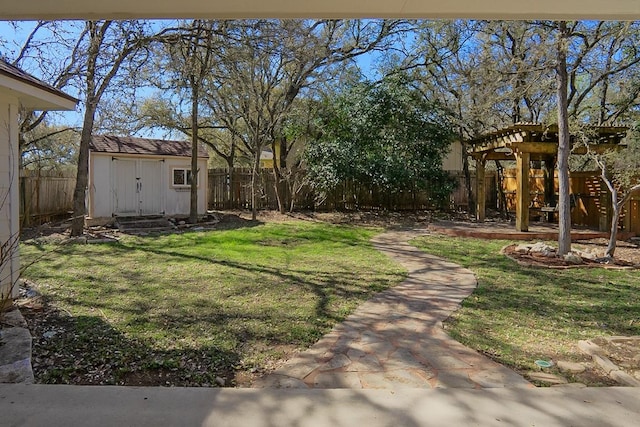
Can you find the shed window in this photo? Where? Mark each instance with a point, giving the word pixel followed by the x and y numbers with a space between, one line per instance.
pixel 181 177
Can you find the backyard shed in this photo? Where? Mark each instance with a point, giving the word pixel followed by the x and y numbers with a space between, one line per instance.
pixel 140 176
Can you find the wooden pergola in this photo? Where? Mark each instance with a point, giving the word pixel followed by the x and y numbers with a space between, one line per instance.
pixel 524 143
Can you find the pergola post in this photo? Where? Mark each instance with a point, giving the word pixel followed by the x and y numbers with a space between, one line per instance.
pixel 522 191
pixel 549 184
pixel 481 190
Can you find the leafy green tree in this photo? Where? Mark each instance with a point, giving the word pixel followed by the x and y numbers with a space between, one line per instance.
pixel 385 135
pixel 49 147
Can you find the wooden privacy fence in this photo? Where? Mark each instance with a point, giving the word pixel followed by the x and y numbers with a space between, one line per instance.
pixel 589 196
pixel 45 195
pixel 233 191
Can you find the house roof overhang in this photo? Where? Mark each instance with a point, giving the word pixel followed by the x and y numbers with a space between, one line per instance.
pixel 32 93
pixel 224 9
pixel 542 141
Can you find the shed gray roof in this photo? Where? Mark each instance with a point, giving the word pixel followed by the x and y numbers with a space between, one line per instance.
pixel 144 146
pixel 17 74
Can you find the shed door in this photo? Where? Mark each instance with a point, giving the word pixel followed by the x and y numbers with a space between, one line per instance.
pixel 125 187
pixel 137 187
pixel 150 187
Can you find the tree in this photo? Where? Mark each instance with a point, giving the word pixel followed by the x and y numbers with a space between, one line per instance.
pixel 385 135
pixel 564 142
pixel 266 64
pixel 48 147
pixel 43 143
pixel 187 57
pixel 619 171
pixel 108 45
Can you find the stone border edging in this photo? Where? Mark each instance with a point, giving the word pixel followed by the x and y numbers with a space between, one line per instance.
pixel 563 267
pixel 15 350
pixel 611 369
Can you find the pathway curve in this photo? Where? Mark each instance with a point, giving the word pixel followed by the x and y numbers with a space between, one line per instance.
pixel 396 339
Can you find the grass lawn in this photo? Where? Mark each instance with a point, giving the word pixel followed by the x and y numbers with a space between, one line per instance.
pixel 518 314
pixel 195 308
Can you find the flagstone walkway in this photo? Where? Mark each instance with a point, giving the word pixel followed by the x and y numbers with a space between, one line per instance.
pixel 396 339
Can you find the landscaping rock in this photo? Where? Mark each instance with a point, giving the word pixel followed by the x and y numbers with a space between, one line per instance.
pixel 624 378
pixel 570 385
pixel 573 258
pixel 571 367
pixel 14 318
pixel 587 255
pixel 590 348
pixel 547 378
pixel 15 356
pixel 605 364
pixel 541 247
pixel 17 372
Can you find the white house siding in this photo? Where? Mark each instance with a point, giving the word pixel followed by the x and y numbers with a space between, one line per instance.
pixel 453 160
pixel 168 200
pixel 9 202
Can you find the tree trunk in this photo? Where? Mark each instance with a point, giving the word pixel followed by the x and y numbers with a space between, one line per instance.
pixel 564 144
pixel 193 206
pixel 82 175
pixel 254 182
pixel 504 212
pixel 277 178
pixel 613 237
pixel 467 178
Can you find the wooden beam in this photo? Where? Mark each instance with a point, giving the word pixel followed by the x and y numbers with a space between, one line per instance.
pixel 599 148
pixel 497 155
pixel 536 147
pixel 522 191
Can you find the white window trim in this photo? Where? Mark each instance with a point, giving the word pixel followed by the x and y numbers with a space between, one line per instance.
pixel 187 170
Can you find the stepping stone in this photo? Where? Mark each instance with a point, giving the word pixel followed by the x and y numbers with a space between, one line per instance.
pixel 571 367
pixel 546 377
pixel 590 348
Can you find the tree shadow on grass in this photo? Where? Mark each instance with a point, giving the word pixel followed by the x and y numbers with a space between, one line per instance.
pixel 87 350
pixel 219 336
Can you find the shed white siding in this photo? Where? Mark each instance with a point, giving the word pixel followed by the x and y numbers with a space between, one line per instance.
pixel 179 198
